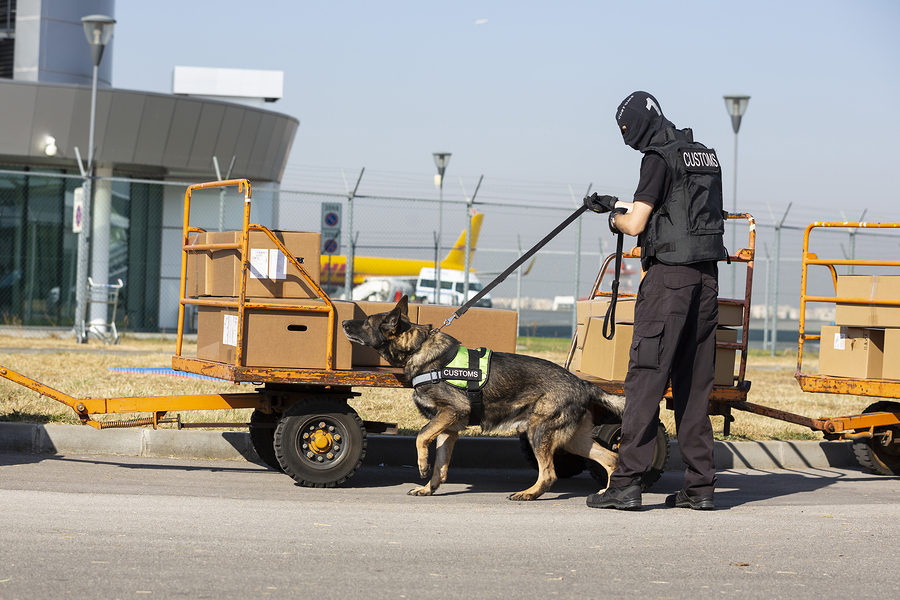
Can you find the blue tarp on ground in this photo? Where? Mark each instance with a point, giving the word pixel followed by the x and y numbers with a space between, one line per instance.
pixel 161 371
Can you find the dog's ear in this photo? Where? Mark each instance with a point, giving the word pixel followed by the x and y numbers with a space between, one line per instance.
pixel 403 305
pixel 393 319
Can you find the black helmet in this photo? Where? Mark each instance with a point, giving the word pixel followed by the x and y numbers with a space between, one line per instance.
pixel 639 118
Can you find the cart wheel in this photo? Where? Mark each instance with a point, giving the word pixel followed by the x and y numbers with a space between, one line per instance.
pixel 262 437
pixel 880 455
pixel 566 465
pixel 320 443
pixel 608 435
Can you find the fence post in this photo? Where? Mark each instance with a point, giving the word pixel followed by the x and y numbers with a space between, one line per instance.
pixel 777 273
pixel 351 252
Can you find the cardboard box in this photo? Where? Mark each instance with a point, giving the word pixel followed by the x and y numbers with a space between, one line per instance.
pixel 851 352
pixel 603 358
pixel 608 359
pixel 275 338
pixel 725 357
pixel 584 309
pixel 873 288
pixel 270 276
pixel 364 356
pixel 730 315
pixel 890 367
pixel 492 328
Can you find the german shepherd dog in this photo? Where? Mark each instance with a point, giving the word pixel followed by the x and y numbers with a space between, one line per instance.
pixel 522 392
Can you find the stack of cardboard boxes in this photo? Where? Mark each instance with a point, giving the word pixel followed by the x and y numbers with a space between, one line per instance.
pixel 298 338
pixel 608 359
pixel 864 342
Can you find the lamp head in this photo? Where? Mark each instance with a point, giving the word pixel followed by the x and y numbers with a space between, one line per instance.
pixel 441 160
pixel 98 30
pixel 736 106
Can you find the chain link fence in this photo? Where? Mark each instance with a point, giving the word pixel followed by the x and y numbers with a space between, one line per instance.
pixel 38 249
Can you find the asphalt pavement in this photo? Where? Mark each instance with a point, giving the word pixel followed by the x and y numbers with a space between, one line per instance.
pixel 92 526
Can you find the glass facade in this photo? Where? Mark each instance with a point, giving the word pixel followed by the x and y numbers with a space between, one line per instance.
pixel 38 249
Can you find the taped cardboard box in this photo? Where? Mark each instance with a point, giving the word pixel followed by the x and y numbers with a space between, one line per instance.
pixel 872 288
pixel 364 356
pixel 492 328
pixel 725 357
pixel 276 338
pixel 608 359
pixel 730 315
pixel 584 309
pixel 851 352
pixel 603 358
pixel 890 366
pixel 270 276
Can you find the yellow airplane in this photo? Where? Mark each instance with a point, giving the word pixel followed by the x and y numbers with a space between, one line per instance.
pixel 333 267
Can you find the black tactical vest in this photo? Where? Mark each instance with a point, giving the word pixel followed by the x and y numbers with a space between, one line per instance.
pixel 688 226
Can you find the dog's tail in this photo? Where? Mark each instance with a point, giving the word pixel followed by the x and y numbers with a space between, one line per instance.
pixel 611 402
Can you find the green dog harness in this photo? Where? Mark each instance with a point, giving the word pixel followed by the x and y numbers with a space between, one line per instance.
pixel 468 370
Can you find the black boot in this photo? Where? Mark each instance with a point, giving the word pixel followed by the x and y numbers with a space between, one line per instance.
pixel 626 498
pixel 684 500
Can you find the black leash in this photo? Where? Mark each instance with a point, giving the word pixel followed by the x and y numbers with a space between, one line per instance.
pixel 462 309
pixel 609 321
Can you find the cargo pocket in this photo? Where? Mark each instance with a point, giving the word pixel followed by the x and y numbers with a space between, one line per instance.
pixel 646 344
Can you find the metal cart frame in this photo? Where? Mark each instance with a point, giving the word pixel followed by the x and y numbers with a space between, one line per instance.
pixel 102 293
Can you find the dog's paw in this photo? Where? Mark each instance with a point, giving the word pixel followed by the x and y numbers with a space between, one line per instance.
pixel 425 490
pixel 519 496
pixel 424 470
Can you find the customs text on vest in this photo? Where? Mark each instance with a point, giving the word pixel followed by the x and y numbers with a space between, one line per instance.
pixel 688 226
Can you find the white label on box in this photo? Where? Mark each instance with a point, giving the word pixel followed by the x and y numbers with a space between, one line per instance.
pixel 259 263
pixel 277 264
pixel 229 330
pixel 840 341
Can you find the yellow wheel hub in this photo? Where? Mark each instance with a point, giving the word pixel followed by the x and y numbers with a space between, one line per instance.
pixel 320 441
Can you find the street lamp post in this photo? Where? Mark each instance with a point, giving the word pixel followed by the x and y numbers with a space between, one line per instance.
pixel 441 160
pixel 736 105
pixel 98 30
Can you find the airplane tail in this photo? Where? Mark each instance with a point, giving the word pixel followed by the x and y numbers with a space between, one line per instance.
pixel 456 258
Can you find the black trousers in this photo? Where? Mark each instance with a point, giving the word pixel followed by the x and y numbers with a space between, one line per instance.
pixel 675 320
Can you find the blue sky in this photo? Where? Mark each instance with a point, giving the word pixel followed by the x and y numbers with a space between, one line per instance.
pixel 527 97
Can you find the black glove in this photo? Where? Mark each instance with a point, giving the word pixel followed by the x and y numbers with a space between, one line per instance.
pixel 600 204
pixel 612 219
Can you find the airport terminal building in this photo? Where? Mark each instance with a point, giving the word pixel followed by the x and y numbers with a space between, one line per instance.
pixel 148 148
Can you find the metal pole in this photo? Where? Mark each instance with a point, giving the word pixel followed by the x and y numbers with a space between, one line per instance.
pixel 734 210
pixel 766 313
pixel 777 274
pixel 470 202
pixel 351 246
pixel 577 260
pixel 519 285
pixel 853 240
pixel 438 291
pixel 81 273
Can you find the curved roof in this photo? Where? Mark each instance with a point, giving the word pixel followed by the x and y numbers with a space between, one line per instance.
pixel 142 134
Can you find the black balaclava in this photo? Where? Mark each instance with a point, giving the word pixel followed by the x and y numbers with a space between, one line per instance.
pixel 642 117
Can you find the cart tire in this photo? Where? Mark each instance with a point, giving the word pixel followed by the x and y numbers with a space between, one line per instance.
pixel 872 455
pixel 320 443
pixel 263 438
pixel 608 435
pixel 564 464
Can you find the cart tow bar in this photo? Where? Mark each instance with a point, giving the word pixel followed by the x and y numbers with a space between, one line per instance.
pixel 500 278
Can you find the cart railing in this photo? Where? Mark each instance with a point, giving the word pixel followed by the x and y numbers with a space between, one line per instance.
pixel 743 255
pixel 840 385
pixel 241 303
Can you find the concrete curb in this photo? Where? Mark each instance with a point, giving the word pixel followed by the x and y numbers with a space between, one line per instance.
pixel 471 452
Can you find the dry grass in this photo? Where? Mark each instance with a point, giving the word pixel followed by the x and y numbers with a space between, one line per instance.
pixel 83 370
